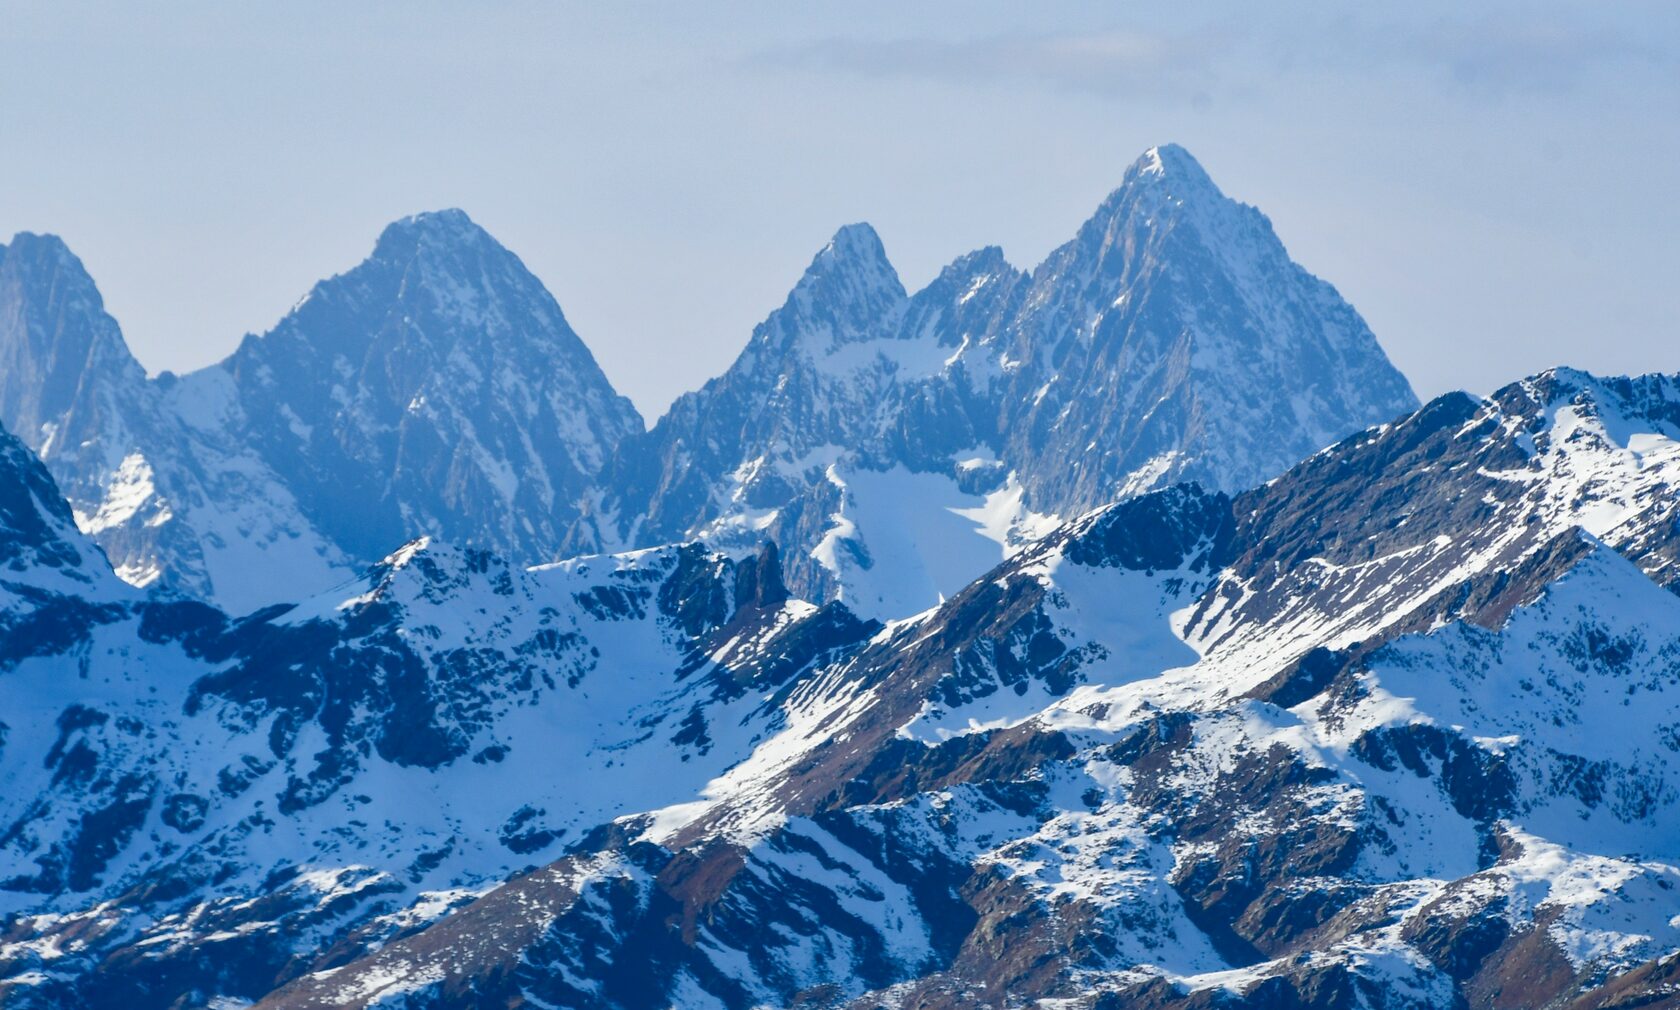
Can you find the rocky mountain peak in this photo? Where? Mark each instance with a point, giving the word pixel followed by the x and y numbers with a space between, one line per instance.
pixel 961 301
pixel 432 280
pixel 982 264
pixel 59 351
pixel 847 293
pixel 42 553
pixel 447 255
pixel 442 228
pixel 435 388
pixel 1172 339
pixel 1165 198
pixel 1176 322
pixel 37 250
pixel 438 296
pixel 1172 165
pixel 1619 403
pixel 855 248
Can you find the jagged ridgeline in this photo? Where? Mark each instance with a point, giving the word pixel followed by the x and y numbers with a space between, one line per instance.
pixel 894 445
pixel 898 445
pixel 1392 722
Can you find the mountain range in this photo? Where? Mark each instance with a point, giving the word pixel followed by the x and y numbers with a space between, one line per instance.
pixel 1118 634
pixel 873 433
pixel 896 446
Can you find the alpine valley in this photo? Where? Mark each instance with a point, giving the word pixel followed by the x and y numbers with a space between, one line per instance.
pixel 1121 633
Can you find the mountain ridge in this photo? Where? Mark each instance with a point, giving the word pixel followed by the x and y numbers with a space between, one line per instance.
pixel 991 388
pixel 1085 745
pixel 1118 633
pixel 1145 841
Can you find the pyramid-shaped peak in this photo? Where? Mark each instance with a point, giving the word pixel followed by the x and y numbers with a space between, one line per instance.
pixel 40 245
pixel 852 268
pixel 847 290
pixel 854 246
pixel 437 230
pixel 1166 176
pixel 447 257
pixel 854 256
pixel 1171 163
pixel 441 262
pixel 31 253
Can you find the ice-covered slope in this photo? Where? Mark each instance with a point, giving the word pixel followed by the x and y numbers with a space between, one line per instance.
pixel 1172 339
pixel 434 389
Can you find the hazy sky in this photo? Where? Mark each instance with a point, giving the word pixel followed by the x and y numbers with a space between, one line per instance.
pixel 1495 191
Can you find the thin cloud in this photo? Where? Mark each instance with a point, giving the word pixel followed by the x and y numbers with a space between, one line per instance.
pixel 1489 56
pixel 1110 62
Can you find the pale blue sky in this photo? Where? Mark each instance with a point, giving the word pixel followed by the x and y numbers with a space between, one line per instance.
pixel 1495 191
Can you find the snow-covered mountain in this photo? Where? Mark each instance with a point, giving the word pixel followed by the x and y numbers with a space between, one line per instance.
pixel 435 389
pixel 409 741
pixel 1396 729
pixel 1419 833
pixel 898 445
pixel 1118 634
pixel 1072 782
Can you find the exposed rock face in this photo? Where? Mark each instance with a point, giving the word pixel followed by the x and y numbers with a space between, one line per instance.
pixel 38 535
pixel 434 389
pixel 48 568
pixel 72 392
pixel 65 364
pixel 895 445
pixel 1400 728
pixel 356 766
pixel 1172 340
